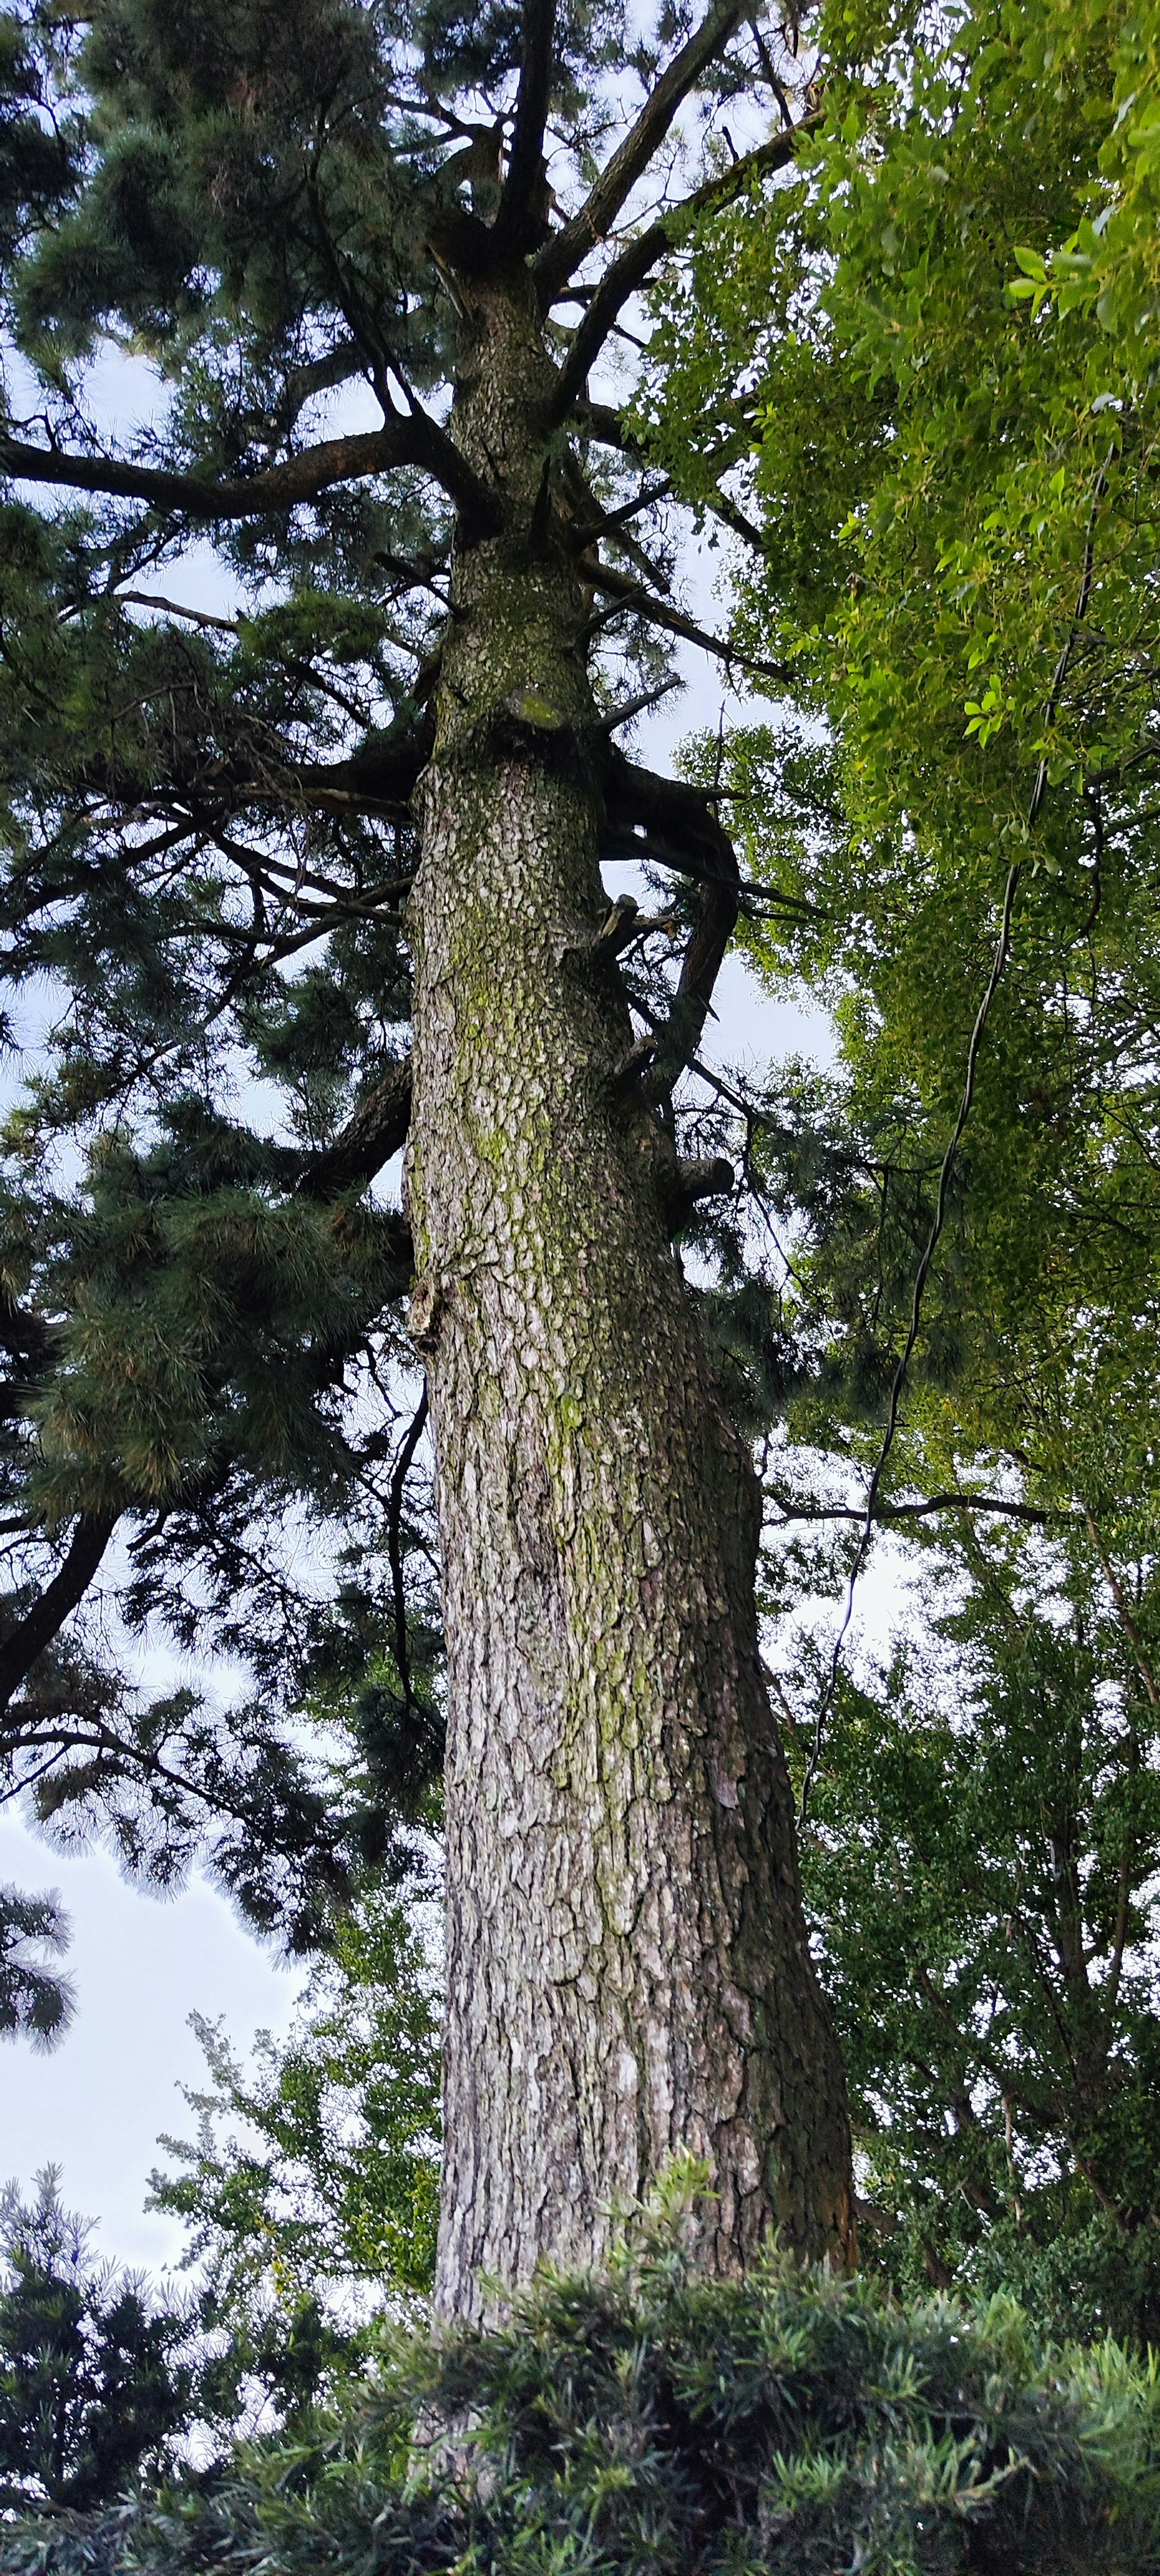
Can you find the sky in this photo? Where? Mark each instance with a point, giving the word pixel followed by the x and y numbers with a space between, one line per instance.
pixel 96 2104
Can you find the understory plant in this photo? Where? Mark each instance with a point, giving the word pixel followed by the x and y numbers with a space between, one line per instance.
pixel 647 2417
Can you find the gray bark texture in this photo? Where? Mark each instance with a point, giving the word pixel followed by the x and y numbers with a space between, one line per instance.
pixel 628 1971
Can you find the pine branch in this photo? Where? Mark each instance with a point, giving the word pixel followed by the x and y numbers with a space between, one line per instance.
pixel 678 819
pixel 24 1334
pixel 416 441
pixel 173 608
pixel 395 1545
pixel 602 522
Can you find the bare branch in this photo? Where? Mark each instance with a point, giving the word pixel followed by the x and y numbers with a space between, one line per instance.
pixel 380 776
pixel 639 705
pixel 415 441
pixel 629 271
pixel 1038 1517
pixel 633 595
pixel 564 252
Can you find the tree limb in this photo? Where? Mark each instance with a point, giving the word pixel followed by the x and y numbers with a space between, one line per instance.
pixel 1006 2077
pixel 1123 1614
pixel 395 1545
pixel 1039 1517
pixel 555 263
pixel 658 612
pixel 694 1178
pixel 603 422
pixel 382 772
pixel 678 818
pixel 520 223
pixel 415 441
pixel 376 1130
pixel 629 271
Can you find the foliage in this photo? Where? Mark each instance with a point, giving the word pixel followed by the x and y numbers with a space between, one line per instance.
pixel 34 1998
pixel 95 2379
pixel 930 465
pixel 651 2417
pixel 301 2228
pixel 1108 265
pixel 932 361
pixel 324 2205
pixel 981 1856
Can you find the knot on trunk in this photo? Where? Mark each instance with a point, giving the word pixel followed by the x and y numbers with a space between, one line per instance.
pixel 425 1313
pixel 706 1176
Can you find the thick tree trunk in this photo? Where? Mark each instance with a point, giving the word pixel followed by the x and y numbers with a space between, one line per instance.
pixel 628 1973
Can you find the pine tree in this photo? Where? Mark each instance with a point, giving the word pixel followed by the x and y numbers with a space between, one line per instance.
pixel 396 765
pixel 95 2377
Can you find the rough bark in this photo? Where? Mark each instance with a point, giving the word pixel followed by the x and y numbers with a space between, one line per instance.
pixel 628 1972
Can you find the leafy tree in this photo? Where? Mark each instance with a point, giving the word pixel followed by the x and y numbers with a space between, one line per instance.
pixel 95 2380
pixel 364 263
pixel 325 2203
pixel 932 361
pixel 991 1934
pixel 965 529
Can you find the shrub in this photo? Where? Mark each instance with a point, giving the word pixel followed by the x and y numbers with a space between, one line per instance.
pixel 646 2419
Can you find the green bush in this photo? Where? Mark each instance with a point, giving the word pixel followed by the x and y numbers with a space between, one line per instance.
pixel 647 2419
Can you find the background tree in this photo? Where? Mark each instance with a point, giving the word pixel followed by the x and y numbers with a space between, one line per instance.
pixel 933 358
pixel 96 2378
pixel 310 2194
pixel 983 1860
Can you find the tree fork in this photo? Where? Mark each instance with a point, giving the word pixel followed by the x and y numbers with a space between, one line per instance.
pixel 628 1969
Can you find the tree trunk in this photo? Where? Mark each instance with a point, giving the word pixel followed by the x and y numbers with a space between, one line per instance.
pixel 628 1973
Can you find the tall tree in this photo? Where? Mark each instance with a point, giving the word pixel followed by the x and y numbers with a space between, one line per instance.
pixel 398 761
